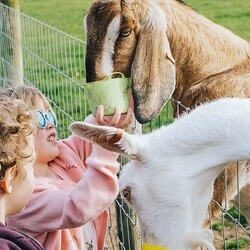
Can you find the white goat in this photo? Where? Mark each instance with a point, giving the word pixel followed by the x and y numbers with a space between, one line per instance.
pixel 169 180
pixel 168 49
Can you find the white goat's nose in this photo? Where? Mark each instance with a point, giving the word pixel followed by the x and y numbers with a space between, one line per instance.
pixel 126 192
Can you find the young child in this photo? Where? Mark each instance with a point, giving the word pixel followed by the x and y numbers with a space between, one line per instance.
pixel 75 182
pixel 16 169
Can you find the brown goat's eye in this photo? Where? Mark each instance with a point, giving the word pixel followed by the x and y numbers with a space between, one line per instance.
pixel 125 33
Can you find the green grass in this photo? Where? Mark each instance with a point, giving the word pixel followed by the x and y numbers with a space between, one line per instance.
pixel 68 15
pixel 165 118
pixel 241 243
pixel 64 15
pixel 233 212
pixel 232 14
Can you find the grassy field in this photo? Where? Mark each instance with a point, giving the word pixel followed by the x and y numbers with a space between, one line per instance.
pixel 232 14
pixel 68 15
pixel 64 15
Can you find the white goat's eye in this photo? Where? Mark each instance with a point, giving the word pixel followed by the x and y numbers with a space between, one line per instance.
pixel 126 192
pixel 125 33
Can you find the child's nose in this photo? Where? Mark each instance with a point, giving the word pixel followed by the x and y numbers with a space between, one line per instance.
pixel 50 124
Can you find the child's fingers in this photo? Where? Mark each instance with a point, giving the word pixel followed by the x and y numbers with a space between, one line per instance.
pixel 100 115
pixel 117 120
pixel 116 117
pixel 110 121
pixel 127 120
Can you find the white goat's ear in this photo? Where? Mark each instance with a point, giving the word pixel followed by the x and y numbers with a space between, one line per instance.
pixel 113 139
pixel 153 68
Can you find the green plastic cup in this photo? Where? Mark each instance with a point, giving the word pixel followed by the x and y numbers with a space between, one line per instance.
pixel 109 92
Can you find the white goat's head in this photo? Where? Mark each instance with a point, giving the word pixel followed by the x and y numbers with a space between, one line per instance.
pixel 135 175
pixel 159 192
pixel 124 36
pixel 169 180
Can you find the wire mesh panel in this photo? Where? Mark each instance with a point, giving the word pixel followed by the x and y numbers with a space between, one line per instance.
pixel 37 54
pixel 55 65
pixel 51 60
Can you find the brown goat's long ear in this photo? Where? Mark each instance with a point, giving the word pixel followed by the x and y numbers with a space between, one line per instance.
pixel 153 71
pixel 113 139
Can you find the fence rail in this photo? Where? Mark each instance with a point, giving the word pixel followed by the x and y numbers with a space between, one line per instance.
pixel 37 54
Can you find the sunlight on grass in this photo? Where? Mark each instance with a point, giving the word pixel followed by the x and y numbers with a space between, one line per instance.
pixel 63 15
pixel 68 17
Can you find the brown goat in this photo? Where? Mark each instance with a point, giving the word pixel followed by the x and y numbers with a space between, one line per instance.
pixel 169 50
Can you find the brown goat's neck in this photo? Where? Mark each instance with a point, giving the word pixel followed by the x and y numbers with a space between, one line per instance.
pixel 200 47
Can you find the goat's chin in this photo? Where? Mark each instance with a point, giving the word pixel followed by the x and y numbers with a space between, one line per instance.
pixel 147 237
pixel 146 109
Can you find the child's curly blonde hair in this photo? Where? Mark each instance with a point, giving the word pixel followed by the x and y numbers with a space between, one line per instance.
pixel 26 93
pixel 16 124
pixel 29 94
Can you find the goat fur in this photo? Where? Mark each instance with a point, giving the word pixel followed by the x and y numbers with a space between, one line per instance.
pixel 170 50
pixel 169 180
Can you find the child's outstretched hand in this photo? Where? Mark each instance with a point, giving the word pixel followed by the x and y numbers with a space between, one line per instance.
pixel 117 120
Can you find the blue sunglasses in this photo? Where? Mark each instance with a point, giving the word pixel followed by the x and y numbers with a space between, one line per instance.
pixel 44 117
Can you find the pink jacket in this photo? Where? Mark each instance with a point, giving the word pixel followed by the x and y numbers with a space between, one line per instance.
pixel 85 188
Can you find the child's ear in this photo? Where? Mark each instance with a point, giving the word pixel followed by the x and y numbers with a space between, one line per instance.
pixel 6 183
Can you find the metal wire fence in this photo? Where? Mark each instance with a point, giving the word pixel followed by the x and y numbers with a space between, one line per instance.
pixel 46 58
pixel 37 54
